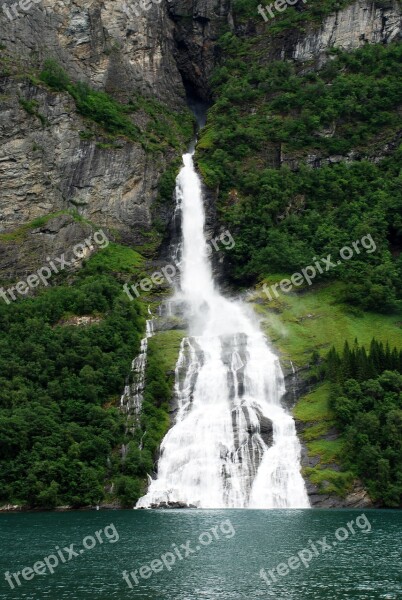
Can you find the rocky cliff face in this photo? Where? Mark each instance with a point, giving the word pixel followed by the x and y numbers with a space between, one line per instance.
pixel 362 22
pixel 198 25
pixel 49 168
pixel 45 165
pixel 113 44
pixel 22 254
pixel 125 50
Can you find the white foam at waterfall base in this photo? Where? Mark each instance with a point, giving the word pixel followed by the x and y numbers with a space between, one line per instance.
pixel 227 382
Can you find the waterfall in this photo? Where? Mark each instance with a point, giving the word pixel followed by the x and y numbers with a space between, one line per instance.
pixel 232 444
pixel 131 400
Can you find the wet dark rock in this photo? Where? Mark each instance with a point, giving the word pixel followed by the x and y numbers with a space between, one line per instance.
pixel 296 382
pixel 167 505
pixel 267 433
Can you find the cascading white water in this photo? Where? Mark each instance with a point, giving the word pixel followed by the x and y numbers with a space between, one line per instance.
pixel 131 400
pixel 232 444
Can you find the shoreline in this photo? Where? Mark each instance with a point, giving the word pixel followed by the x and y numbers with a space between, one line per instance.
pixel 15 508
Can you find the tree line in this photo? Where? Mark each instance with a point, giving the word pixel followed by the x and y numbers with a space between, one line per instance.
pixel 366 398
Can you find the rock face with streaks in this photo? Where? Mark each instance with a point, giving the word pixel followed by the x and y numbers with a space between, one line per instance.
pixel 198 24
pixel 45 166
pixel 105 43
pixel 47 169
pixel 126 48
pixel 55 240
pixel 362 22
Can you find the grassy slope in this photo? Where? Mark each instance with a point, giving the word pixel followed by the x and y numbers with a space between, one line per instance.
pixel 314 320
pixel 117 258
pixel 168 342
pixel 300 323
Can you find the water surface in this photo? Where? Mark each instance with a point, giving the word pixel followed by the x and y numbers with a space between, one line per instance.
pixel 364 566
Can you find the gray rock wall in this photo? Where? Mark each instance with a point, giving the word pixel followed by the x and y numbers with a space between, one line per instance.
pixel 105 43
pixel 44 169
pixel 362 22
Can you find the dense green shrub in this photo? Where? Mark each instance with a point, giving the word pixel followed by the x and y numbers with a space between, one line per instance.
pixel 283 217
pixel 55 76
pixel 58 388
pixel 366 397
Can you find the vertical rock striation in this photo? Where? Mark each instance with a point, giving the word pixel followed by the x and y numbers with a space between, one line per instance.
pixel 361 22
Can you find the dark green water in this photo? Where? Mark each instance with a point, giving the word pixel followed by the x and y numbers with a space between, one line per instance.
pixel 366 565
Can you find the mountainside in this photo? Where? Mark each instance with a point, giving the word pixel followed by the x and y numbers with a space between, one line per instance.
pixel 300 157
pixel 52 157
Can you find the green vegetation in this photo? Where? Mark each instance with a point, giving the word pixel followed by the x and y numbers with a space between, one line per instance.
pixel 164 125
pixel 31 107
pixel 281 218
pixel 315 318
pixel 164 128
pixel 160 379
pixel 163 351
pixel 151 244
pixel 168 342
pixel 292 17
pixel 366 398
pixel 318 419
pixel 361 365
pixel 329 481
pixel 361 401
pixel 303 326
pixel 19 234
pixel 167 182
pixel 61 382
pixel 115 258
pixel 58 389
pixel 315 407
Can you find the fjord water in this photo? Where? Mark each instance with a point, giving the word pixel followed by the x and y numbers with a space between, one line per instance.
pixel 366 566
pixel 228 389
